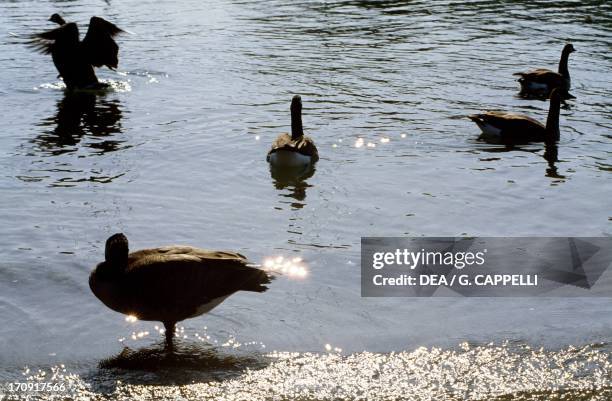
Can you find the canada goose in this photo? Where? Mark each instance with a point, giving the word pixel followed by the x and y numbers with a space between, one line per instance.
pixel 296 149
pixel 75 59
pixel 543 81
pixel 502 127
pixel 171 283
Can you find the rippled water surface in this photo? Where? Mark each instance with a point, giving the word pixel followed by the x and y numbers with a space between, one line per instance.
pixel 175 153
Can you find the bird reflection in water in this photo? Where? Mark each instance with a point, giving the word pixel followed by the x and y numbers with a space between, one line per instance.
pixel 551 155
pixel 188 363
pixel 295 180
pixel 81 114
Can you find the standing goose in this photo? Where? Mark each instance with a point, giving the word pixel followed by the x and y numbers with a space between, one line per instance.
pixel 171 283
pixel 295 150
pixel 542 81
pixel 75 59
pixel 510 128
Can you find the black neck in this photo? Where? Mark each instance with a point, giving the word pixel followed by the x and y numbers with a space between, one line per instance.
pixel 108 270
pixel 552 122
pixel 297 131
pixel 563 65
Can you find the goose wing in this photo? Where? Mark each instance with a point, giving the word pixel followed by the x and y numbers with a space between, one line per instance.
pixel 509 122
pixel 180 278
pixel 99 45
pixel 305 145
pixel 281 141
pixel 66 37
pixel 543 76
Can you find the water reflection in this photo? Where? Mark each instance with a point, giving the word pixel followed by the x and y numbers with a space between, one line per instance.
pixel 83 125
pixel 551 155
pixel 295 181
pixel 187 363
pixel 79 114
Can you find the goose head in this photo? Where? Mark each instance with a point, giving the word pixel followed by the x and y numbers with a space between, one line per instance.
pixel 296 104
pixel 569 48
pixel 57 19
pixel 116 250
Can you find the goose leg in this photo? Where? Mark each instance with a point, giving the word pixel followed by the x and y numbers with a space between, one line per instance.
pixel 169 330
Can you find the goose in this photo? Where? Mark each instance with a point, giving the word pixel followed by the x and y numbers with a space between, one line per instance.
pixel 295 150
pixel 171 283
pixel 503 127
pixel 543 81
pixel 75 59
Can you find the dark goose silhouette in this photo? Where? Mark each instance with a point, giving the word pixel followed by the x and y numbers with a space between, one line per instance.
pixel 172 283
pixel 293 150
pixel 75 59
pixel 542 81
pixel 511 128
pixel 57 19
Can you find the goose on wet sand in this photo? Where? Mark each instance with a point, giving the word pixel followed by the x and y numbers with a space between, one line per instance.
pixel 75 59
pixel 542 81
pixel 295 150
pixel 511 128
pixel 172 283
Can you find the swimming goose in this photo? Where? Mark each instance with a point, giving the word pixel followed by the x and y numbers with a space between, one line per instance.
pixel 75 59
pixel 293 150
pixel 542 81
pixel 510 128
pixel 171 283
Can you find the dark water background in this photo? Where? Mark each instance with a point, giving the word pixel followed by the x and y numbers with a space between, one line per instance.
pixel 176 154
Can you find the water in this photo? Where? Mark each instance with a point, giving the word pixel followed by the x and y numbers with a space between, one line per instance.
pixel 175 153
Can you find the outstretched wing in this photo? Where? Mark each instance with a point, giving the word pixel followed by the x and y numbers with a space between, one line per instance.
pixel 65 36
pixel 99 45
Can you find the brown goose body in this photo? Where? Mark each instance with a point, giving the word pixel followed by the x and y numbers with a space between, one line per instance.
pixel 512 128
pixel 75 59
pixel 296 149
pixel 542 81
pixel 303 145
pixel 172 283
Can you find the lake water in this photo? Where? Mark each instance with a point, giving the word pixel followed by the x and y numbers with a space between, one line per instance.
pixel 175 153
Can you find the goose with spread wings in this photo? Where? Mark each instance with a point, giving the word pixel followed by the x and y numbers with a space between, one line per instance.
pixel 75 59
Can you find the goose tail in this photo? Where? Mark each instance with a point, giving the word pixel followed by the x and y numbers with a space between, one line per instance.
pixel 258 280
pixel 475 117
